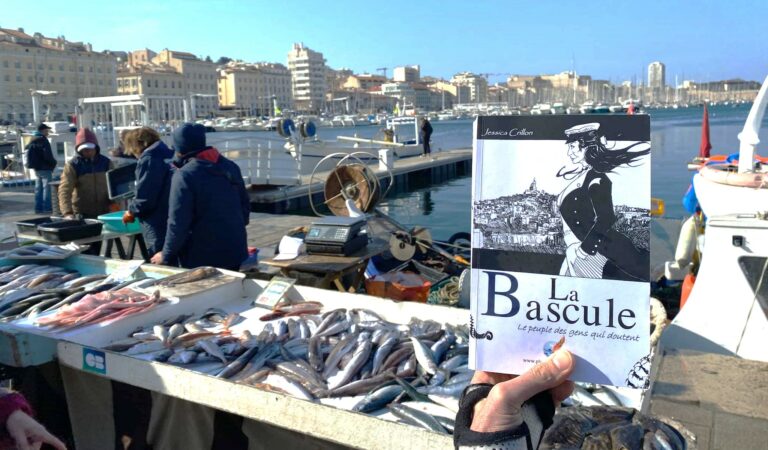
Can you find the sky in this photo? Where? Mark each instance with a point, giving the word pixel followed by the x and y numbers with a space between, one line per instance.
pixel 701 40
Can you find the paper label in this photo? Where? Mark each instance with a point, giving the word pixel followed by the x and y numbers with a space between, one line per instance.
pixel 274 292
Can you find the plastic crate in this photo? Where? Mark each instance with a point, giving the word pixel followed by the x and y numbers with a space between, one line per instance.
pixel 29 226
pixel 121 182
pixel 114 222
pixel 70 230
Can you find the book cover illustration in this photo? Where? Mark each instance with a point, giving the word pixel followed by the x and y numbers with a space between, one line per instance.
pixel 561 244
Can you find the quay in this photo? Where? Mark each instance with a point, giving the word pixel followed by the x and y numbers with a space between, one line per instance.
pixel 439 167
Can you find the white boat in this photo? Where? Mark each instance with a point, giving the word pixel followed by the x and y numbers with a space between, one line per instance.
pixel 558 108
pixel 727 309
pixel 402 137
pixel 587 107
pixel 446 116
pixel 616 108
pixel 724 189
pixel 572 110
pixel 541 109
pixel 601 108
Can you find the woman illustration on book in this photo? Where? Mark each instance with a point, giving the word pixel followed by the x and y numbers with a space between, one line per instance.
pixel 594 247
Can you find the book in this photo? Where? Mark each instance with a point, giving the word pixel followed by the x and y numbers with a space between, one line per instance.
pixel 561 245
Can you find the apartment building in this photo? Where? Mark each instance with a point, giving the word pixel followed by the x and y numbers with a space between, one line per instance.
pixel 37 63
pixel 407 74
pixel 308 78
pixel 200 79
pixel 254 88
pixel 478 86
pixel 150 79
pixel 364 81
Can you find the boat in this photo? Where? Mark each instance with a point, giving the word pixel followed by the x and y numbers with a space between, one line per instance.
pixel 732 193
pixel 587 107
pixel 601 108
pixel 558 108
pixel 541 109
pixel 446 116
pixel 572 110
pixel 616 108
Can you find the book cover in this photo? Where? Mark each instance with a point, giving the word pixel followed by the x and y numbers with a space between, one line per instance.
pixel 561 244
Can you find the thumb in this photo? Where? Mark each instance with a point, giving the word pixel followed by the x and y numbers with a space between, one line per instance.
pixel 552 372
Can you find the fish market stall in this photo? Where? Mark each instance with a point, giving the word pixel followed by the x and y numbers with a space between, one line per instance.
pixel 321 408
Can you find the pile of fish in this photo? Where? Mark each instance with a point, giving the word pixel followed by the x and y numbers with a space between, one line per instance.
pixel 31 289
pixel 611 428
pixel 338 354
pixel 102 307
pixel 40 250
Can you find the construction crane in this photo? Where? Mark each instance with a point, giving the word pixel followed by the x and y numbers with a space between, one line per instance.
pixel 383 71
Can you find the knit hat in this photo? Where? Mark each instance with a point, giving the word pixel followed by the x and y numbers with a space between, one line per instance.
pixel 86 138
pixel 43 127
pixel 189 138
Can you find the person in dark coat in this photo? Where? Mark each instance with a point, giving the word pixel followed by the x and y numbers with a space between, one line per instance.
pixel 594 247
pixel 40 159
pixel 208 206
pixel 153 185
pixel 426 134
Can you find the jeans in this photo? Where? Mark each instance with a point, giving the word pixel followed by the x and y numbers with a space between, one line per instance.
pixel 43 191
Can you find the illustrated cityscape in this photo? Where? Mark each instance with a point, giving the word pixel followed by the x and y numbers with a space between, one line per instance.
pixel 530 222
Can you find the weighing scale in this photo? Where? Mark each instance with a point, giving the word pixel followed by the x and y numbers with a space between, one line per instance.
pixel 336 235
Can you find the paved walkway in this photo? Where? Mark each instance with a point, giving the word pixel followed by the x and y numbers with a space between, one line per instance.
pixel 723 400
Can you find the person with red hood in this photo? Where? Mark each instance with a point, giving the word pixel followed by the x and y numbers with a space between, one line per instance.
pixel 208 207
pixel 83 188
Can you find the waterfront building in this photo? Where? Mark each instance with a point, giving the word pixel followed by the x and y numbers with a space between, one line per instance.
pixel 364 81
pixel 200 79
pixel 254 89
pixel 38 63
pixel 354 101
pixel 406 74
pixel 657 75
pixel 150 79
pixel 335 78
pixel 453 93
pixel 404 92
pixel 478 87
pixel 308 78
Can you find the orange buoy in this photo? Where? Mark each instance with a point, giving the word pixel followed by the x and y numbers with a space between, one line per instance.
pixel 688 282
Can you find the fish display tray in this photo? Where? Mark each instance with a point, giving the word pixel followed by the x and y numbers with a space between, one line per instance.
pixel 29 226
pixel 324 421
pixel 70 230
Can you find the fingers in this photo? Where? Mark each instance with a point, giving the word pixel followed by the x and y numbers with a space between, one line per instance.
pixel 546 375
pixel 490 377
pixel 42 435
pixel 19 436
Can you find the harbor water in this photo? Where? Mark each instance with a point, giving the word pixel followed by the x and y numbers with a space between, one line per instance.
pixel 446 207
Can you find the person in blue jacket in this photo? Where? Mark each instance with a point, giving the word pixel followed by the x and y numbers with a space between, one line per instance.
pixel 153 185
pixel 208 206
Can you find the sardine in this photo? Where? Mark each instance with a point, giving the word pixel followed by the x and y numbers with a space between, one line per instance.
pixel 315 353
pixel 424 356
pixel 389 342
pixel 189 276
pixel 359 358
pixel 415 416
pixel 289 386
pixel 161 333
pixel 145 347
pixel 343 347
pixel 378 399
pixel 237 365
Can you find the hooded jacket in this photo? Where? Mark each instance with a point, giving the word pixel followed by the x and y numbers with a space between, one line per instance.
pixel 39 153
pixel 153 187
pixel 83 188
pixel 208 211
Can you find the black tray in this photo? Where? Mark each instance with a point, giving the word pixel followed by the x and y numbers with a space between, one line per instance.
pixel 70 230
pixel 121 182
pixel 29 226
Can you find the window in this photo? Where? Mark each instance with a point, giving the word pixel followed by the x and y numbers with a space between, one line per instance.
pixel 29 66
pixel 62 80
pixel 7 77
pixel 17 65
pixel 81 69
pixel 18 78
pixel 39 67
pixel 50 66
pixel 31 79
pixel 53 80
pixel 5 63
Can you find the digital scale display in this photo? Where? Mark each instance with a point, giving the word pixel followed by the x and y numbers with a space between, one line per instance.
pixel 329 233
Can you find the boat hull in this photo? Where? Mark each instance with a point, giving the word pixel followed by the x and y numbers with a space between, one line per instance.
pixel 719 199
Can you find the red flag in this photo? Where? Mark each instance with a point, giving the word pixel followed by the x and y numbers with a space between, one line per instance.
pixel 705 146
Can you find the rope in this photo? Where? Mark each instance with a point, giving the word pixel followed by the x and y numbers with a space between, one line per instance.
pixel 447 294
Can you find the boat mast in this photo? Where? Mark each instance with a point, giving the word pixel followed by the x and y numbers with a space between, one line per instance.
pixel 748 137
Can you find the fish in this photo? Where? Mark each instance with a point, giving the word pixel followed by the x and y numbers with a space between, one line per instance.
pixel 315 353
pixel 362 386
pixel 417 417
pixel 378 399
pixel 583 397
pixel 238 364
pixel 359 358
pixel 175 331
pixel 161 333
pixel 189 276
pixel 440 347
pixel 454 362
pixel 424 356
pixel 256 377
pixel 344 346
pixel 145 347
pixel 451 390
pixel 289 386
pixel 389 342
pixel 122 345
pixel 213 350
